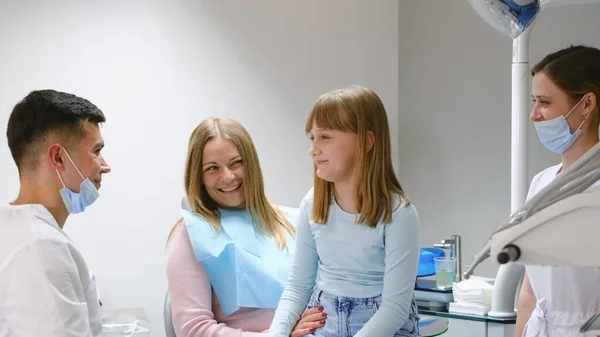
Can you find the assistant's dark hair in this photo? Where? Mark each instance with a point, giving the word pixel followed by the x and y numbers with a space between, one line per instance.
pixel 42 113
pixel 575 70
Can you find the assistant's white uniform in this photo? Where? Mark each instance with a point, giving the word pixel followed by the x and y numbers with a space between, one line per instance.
pixel 45 286
pixel 566 296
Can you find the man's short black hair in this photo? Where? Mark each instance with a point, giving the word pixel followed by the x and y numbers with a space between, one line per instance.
pixel 45 112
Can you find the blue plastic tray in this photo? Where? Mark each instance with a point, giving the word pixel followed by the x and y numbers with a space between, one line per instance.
pixel 426 264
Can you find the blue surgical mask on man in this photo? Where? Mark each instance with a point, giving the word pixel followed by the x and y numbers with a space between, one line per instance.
pixel 555 134
pixel 78 202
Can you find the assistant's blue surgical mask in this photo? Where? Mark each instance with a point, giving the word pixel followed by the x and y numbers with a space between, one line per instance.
pixel 555 134
pixel 77 202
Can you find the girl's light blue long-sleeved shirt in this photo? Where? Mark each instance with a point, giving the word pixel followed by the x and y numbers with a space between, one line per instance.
pixel 353 260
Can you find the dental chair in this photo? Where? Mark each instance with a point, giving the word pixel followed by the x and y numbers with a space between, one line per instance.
pixel 169 330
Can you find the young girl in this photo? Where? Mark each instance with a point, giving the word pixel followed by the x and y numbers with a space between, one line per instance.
pixel 357 233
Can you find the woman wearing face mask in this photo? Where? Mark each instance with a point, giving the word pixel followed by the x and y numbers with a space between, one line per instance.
pixel 230 253
pixel 556 301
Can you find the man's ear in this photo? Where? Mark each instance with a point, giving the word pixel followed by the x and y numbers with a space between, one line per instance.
pixel 370 140
pixel 55 156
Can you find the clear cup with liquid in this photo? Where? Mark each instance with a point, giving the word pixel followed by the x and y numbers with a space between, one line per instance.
pixel 445 270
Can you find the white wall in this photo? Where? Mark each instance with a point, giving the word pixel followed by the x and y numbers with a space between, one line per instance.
pixel 156 69
pixel 454 113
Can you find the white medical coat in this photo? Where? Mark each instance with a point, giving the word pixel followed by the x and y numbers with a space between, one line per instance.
pixel 566 296
pixel 45 286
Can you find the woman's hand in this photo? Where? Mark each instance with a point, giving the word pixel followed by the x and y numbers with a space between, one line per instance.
pixel 310 320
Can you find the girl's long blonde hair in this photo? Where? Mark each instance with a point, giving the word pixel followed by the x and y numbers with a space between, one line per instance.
pixel 358 110
pixel 267 218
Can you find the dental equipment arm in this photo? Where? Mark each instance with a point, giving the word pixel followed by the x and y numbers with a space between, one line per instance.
pixel 559 226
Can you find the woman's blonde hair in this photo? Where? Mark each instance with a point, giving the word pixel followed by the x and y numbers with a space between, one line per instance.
pixel 358 110
pixel 267 218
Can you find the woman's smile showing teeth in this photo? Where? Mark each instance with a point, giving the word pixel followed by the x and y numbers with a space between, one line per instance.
pixel 230 189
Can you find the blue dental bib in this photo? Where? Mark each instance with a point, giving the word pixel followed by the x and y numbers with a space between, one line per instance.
pixel 245 268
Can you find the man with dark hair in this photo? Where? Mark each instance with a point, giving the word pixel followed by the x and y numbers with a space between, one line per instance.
pixel 45 286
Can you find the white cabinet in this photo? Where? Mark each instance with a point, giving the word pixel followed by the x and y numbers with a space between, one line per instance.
pixel 500 330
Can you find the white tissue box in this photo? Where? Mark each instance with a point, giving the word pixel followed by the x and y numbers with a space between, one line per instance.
pixel 466 308
pixel 474 291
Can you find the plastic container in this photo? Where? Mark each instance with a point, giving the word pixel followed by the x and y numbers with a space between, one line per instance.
pixel 445 269
pixel 426 263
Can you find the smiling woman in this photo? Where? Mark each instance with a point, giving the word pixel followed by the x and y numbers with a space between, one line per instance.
pixel 230 253
pixel 223 173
